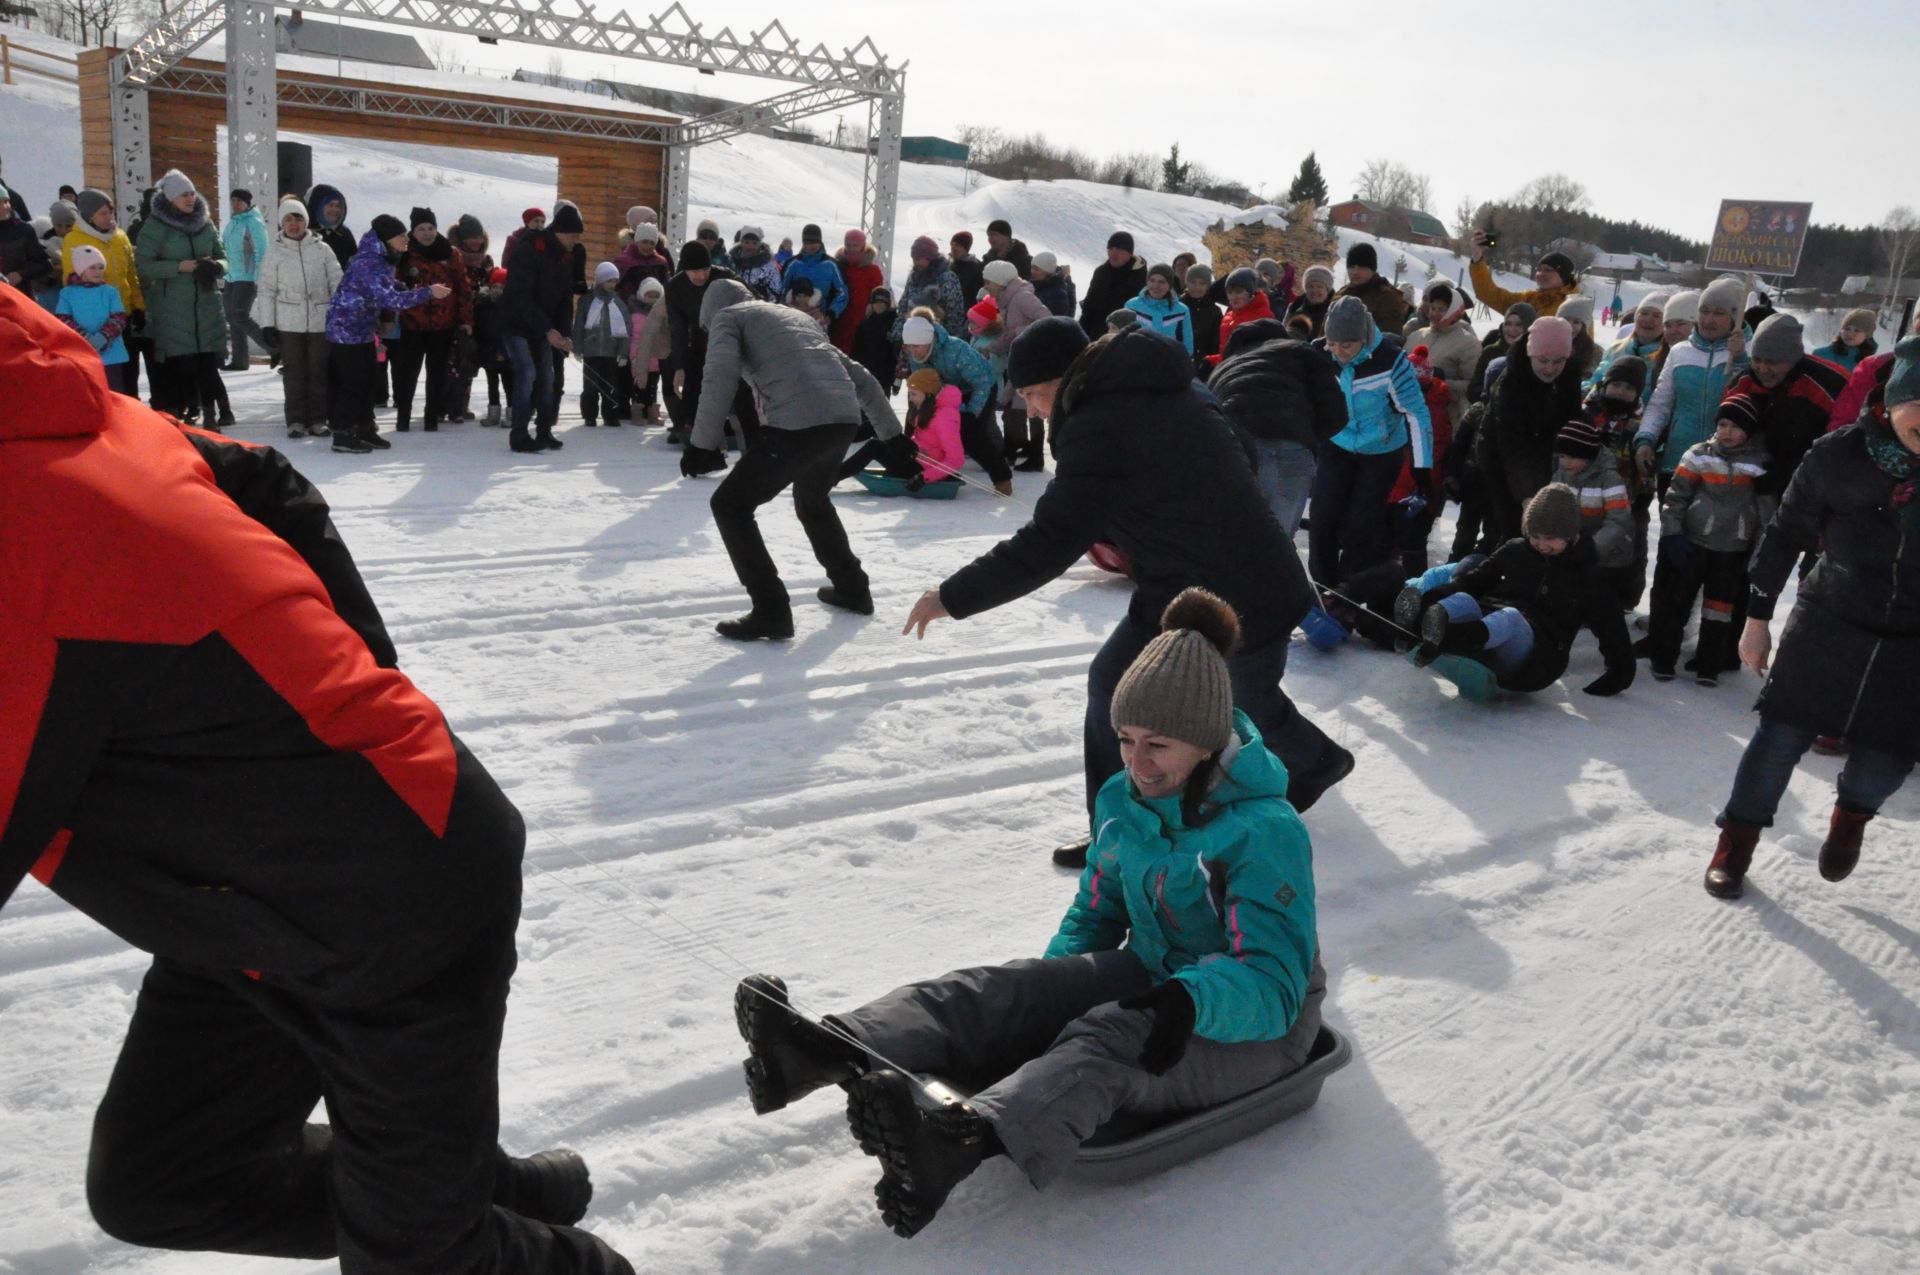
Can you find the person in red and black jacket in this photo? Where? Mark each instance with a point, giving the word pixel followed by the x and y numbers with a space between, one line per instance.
pixel 1795 391
pixel 207 747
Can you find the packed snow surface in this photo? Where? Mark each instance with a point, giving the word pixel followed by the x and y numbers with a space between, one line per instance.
pixel 1568 1057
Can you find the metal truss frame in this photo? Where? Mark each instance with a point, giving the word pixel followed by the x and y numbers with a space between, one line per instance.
pixel 252 89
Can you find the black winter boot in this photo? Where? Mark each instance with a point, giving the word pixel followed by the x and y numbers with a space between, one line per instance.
pixel 1073 854
pixel 927 1148
pixel 860 603
pixel 552 1187
pixel 756 625
pixel 1727 874
pixel 789 1056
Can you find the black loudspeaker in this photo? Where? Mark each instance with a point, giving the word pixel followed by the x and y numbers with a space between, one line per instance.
pixel 296 169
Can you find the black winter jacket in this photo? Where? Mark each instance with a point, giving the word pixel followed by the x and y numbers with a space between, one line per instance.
pixel 1206 325
pixel 1317 312
pixel 1147 462
pixel 683 298
pixel 1057 293
pixel 970 271
pixel 1524 416
pixel 873 349
pixel 22 253
pixel 1278 388
pixel 1108 291
pixel 1559 596
pixel 1849 660
pixel 1017 254
pixel 538 297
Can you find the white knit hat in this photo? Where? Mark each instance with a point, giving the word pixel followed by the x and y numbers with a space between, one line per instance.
pixel 647 232
pixel 1683 305
pixel 917 331
pixel 606 272
pixel 1046 263
pixel 650 288
pixel 1000 273
pixel 291 207
pixel 640 215
pixel 85 257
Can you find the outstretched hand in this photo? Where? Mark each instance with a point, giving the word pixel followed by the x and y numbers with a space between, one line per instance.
pixel 925 611
pixel 1756 644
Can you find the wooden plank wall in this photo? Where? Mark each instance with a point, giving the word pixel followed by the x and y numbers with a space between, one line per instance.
pixel 603 177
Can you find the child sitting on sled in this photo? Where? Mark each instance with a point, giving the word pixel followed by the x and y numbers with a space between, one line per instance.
pixel 933 426
pixel 1202 870
pixel 1517 612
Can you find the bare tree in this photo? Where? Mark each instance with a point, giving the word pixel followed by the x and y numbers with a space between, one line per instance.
pixel 1899 239
pixel 445 57
pixel 1394 185
pixel 1465 215
pixel 1555 192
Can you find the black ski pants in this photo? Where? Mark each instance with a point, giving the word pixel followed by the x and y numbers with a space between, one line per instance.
pixel 808 460
pixel 202 1141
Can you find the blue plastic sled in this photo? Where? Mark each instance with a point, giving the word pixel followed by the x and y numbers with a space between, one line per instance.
pixel 1476 681
pixel 881 483
pixel 1133 1145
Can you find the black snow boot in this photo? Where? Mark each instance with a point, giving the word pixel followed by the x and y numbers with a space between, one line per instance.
pixel 552 1187
pixel 521 441
pixel 926 1150
pixel 1406 608
pixel 756 625
pixel 860 602
pixel 1304 790
pixel 1840 852
pixel 789 1056
pixel 544 441
pixel 1073 854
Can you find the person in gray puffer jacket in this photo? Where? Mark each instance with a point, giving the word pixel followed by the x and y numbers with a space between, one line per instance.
pixel 812 396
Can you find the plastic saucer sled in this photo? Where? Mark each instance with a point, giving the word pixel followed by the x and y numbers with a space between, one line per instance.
pixel 880 483
pixel 1133 1146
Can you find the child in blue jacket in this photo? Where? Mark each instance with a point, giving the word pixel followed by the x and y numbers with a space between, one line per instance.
pixel 92 307
pixel 1199 867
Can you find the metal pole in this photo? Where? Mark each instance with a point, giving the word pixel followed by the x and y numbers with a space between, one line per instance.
pixel 881 188
pixel 679 178
pixel 132 147
pixel 253 115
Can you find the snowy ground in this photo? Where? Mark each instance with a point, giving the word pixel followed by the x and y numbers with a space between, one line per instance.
pixel 1569 1058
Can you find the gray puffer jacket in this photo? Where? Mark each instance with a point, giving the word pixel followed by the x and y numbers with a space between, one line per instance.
pixel 802 379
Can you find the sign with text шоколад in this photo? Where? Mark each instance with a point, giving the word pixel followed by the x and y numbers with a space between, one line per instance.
pixel 1759 236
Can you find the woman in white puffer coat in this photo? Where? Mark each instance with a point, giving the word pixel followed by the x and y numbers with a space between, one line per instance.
pixel 295 284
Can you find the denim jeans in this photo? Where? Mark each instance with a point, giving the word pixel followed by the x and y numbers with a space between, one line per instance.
pixel 1285 474
pixel 532 384
pixel 1868 779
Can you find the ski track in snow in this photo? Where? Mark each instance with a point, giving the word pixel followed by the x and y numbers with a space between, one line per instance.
pixel 1568 1058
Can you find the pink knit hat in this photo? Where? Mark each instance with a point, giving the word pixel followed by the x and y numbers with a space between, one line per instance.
pixel 924 249
pixel 1550 338
pixel 856 239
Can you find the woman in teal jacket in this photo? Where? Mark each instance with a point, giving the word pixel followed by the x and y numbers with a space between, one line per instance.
pixel 1162 311
pixel 1198 865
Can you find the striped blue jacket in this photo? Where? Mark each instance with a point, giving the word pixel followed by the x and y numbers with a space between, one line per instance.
pixel 1385 408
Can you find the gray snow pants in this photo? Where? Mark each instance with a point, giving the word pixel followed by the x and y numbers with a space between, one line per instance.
pixel 1052 1057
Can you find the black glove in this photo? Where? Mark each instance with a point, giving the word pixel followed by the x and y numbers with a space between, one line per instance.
pixel 208 271
pixel 1172 1010
pixel 916 482
pixel 272 336
pixel 1450 489
pixel 1676 552
pixel 137 321
pixel 695 461
pixel 900 452
pixel 1611 682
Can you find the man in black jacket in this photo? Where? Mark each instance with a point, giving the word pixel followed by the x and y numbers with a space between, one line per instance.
pixel 1148 463
pixel 685 293
pixel 1287 395
pixel 211 752
pixel 23 258
pixel 536 317
pixel 1002 246
pixel 1116 281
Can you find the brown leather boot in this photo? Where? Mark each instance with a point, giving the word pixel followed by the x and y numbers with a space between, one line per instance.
pixel 1727 874
pixel 1840 852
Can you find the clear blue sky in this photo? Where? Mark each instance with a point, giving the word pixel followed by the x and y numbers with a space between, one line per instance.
pixel 1660 107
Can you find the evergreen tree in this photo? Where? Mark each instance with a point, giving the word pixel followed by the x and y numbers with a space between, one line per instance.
pixel 1175 175
pixel 1309 183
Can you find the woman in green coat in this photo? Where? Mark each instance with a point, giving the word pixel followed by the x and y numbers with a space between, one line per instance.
pixel 1185 974
pixel 181 266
